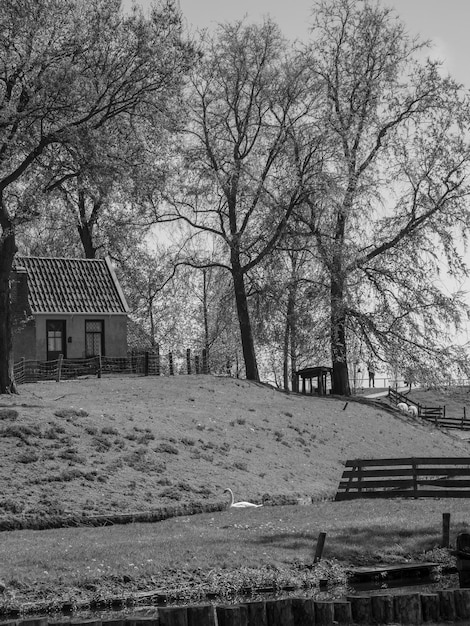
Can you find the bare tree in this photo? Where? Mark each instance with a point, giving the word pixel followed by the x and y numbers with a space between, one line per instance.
pixel 398 190
pixel 240 176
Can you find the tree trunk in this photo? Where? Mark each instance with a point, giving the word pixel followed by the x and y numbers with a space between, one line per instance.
pixel 340 375
pixel 205 309
pixel 7 255
pixel 85 226
pixel 290 337
pixel 246 332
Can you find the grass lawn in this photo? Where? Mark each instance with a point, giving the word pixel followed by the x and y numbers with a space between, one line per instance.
pixel 123 444
pixel 222 552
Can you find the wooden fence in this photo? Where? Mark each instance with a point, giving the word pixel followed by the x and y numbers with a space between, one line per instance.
pixel 144 363
pixel 435 414
pixel 416 477
pixel 446 605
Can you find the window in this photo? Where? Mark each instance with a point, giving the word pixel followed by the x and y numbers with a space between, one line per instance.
pixel 94 338
pixel 55 330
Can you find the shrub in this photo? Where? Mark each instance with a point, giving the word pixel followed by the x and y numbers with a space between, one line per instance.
pixel 140 462
pixel 188 441
pixel 21 431
pixel 109 430
pixel 8 414
pixel 29 456
pixel 101 443
pixel 70 413
pixel 166 447
pixel 240 465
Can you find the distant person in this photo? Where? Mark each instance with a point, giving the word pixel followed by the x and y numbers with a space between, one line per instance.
pixel 371 370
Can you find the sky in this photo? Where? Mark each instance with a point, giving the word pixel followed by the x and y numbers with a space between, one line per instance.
pixel 444 22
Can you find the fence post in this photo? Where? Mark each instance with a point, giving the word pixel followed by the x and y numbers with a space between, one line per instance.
pixel 196 363
pixel 319 548
pixel 146 364
pixel 464 416
pixel 99 372
pixel 157 359
pixel 445 530
pixel 415 478
pixel 59 367
pixel 188 360
pixel 23 370
pixel 205 363
pixel 170 363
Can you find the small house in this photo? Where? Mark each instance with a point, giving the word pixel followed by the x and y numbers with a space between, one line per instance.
pixel 73 307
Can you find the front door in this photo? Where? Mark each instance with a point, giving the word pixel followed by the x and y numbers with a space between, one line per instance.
pixel 56 344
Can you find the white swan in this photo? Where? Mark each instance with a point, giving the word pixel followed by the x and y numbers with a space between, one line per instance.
pixel 240 505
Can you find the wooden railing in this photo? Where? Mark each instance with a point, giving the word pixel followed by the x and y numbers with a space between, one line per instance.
pixel 415 477
pixel 435 414
pixel 144 363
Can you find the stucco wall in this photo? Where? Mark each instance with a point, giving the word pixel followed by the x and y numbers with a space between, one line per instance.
pixel 24 340
pixel 115 336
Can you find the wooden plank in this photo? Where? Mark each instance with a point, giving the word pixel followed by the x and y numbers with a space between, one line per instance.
pixel 464 460
pixel 378 484
pixel 438 472
pixel 407 461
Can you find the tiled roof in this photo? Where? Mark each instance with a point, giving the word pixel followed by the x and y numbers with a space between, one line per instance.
pixel 72 285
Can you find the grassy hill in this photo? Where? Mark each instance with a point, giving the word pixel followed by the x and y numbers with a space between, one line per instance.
pixel 121 444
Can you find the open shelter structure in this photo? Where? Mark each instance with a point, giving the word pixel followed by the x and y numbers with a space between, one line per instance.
pixel 321 374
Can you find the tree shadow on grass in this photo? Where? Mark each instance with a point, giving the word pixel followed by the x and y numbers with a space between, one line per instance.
pixel 358 544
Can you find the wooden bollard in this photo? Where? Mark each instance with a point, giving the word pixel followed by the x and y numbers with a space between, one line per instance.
pixel 173 616
pixel 361 609
pixel 303 611
pixel 279 612
pixel 324 613
pixel 204 614
pixel 342 612
pixel 236 615
pixel 446 605
pixel 430 607
pixel 256 614
pixel 462 603
pixel 382 609
pixel 407 608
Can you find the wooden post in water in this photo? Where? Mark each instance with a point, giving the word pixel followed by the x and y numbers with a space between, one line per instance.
pixel 303 611
pixel 407 608
pixel 204 614
pixel 173 616
pixel 445 530
pixel 232 615
pixel 279 612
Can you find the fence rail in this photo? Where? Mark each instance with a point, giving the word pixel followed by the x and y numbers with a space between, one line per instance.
pixel 435 414
pixel 144 364
pixel 415 477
